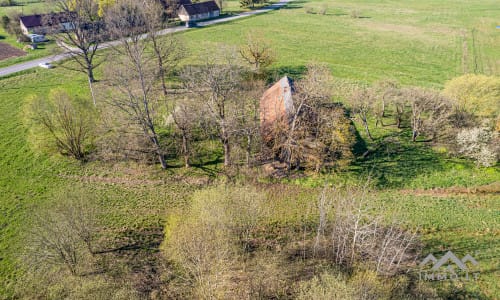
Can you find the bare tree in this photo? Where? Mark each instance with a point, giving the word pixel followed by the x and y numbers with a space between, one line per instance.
pixel 257 51
pixel 429 112
pixel 82 37
pixel 362 102
pixel 168 49
pixel 386 91
pixel 187 116
pixel 134 78
pixel 247 117
pixel 316 130
pixel 400 105
pixel 310 91
pixel 69 123
pixel 349 231
pixel 216 82
pixel 63 234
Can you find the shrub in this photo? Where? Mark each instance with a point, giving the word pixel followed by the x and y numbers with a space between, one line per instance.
pixel 325 286
pixel 7 3
pixel 67 122
pixel 310 10
pixel 478 143
pixel 62 235
pixel 207 239
pixel 477 94
pixel 5 21
pixel 350 234
pixel 323 9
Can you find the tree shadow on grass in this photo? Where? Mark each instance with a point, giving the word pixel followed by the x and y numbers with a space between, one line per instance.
pixel 148 239
pixel 134 255
pixel 395 160
pixel 272 75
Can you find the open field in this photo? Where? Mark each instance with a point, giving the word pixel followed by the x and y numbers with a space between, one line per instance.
pixel 422 43
pixel 26 7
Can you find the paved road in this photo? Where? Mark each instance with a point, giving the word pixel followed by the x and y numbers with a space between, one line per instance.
pixel 49 59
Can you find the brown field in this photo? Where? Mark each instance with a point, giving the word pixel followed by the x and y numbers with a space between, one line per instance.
pixel 7 51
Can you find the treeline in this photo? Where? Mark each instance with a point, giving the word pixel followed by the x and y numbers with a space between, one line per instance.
pixel 464 117
pixel 147 107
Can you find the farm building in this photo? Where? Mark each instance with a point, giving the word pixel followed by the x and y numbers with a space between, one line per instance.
pixel 42 24
pixel 276 105
pixel 172 6
pixel 198 11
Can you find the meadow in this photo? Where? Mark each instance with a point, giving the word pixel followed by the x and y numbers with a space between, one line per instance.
pixel 421 43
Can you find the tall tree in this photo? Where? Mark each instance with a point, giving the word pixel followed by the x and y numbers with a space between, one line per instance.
pixel 216 82
pixel 82 37
pixel 385 90
pixel 187 116
pixel 168 49
pixel 317 131
pixel 246 116
pixel 134 77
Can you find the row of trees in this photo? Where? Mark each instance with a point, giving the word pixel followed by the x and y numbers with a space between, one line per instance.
pixel 215 98
pixel 424 111
pixel 463 116
pixel 142 114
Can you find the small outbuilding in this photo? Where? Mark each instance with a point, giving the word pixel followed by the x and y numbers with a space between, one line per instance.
pixel 198 11
pixel 276 107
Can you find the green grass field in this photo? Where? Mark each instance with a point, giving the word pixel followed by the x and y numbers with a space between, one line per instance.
pixel 420 43
pixel 415 43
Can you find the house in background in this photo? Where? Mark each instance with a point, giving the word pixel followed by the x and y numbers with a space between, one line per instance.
pixel 43 24
pixel 198 11
pixel 172 6
pixel 276 106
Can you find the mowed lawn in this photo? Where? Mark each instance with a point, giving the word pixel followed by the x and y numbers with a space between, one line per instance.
pixel 418 43
pixel 415 42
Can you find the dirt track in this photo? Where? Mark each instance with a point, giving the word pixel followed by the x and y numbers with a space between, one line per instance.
pixel 7 51
pixel 489 189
